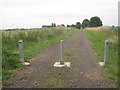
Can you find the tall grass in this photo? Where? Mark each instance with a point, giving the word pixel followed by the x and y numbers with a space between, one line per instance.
pixel 97 36
pixel 34 41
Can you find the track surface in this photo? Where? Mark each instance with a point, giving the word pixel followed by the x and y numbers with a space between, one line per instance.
pixel 83 73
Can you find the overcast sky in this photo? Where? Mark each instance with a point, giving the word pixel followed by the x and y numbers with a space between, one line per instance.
pixel 35 13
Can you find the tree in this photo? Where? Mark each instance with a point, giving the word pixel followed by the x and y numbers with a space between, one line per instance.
pixel 95 22
pixel 63 25
pixel 68 26
pixel 85 23
pixel 78 25
pixel 73 25
pixel 113 26
pixel 53 25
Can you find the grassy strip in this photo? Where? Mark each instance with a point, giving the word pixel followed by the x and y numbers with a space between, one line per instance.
pixel 34 41
pixel 55 82
pixel 97 38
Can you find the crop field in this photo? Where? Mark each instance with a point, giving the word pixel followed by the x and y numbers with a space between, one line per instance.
pixel 97 36
pixel 34 41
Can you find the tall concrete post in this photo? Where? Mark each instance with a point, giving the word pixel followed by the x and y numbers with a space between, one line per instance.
pixel 21 51
pixel 106 51
pixel 62 51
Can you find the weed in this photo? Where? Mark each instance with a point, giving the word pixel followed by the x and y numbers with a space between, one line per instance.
pixel 68 52
pixel 70 57
pixel 55 82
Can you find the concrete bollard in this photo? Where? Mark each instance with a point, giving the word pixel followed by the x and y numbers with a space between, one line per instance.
pixel 21 51
pixel 62 63
pixel 106 52
pixel 62 51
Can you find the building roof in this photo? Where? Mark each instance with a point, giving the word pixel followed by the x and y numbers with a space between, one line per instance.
pixel 60 26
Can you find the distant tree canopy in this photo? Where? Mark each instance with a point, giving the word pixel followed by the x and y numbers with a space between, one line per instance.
pixel 95 22
pixel 85 23
pixel 78 25
pixel 113 26
pixel 68 25
pixel 49 26
pixel 46 26
pixel 53 25
pixel 73 25
pixel 63 25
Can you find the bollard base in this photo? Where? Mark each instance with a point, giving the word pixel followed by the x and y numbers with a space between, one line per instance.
pixel 26 63
pixel 66 64
pixel 101 63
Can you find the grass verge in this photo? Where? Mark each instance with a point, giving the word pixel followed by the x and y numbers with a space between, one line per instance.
pixel 34 41
pixel 97 36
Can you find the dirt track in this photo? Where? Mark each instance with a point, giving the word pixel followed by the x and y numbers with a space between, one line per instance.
pixel 83 73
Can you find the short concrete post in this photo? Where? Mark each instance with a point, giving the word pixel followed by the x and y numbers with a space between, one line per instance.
pixel 106 52
pixel 62 51
pixel 21 51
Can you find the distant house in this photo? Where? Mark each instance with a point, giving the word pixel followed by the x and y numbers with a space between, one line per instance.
pixel 60 26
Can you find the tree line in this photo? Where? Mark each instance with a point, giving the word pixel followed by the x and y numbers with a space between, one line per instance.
pixel 93 22
pixel 48 26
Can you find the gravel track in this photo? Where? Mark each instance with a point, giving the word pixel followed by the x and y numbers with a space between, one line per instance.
pixel 83 73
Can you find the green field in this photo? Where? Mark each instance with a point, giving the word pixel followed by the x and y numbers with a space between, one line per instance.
pixel 34 41
pixel 97 36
